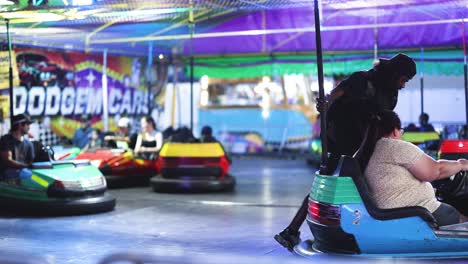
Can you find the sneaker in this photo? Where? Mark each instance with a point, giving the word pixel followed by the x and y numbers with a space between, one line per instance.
pixel 288 239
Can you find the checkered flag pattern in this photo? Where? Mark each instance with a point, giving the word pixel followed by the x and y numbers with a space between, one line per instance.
pixel 47 137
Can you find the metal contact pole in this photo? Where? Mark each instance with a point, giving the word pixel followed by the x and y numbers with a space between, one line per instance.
pixel 421 73
pixel 465 70
pixel 191 25
pixel 105 92
pixel 323 118
pixel 149 65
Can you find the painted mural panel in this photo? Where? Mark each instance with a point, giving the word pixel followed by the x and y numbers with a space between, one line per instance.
pixel 58 88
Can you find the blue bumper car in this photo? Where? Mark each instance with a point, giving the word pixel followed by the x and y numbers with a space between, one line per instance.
pixel 344 220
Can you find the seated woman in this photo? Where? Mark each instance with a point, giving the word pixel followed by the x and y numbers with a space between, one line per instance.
pixel 399 173
pixel 149 141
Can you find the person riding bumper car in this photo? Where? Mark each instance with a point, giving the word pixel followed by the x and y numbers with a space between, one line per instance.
pixel 53 187
pixel 390 208
pixel 344 220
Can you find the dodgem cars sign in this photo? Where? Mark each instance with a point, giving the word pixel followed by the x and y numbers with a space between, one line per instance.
pixel 54 83
pixel 52 101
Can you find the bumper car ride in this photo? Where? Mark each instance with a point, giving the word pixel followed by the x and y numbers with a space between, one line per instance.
pixel 120 165
pixel 56 188
pixel 193 167
pixel 344 220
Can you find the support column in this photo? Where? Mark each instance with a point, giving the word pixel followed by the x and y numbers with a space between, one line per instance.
pixel 318 48
pixel 105 92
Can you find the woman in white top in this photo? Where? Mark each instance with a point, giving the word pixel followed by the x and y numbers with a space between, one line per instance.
pixel 149 141
pixel 399 173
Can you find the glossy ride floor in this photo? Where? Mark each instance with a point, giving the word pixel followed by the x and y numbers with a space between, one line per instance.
pixel 235 227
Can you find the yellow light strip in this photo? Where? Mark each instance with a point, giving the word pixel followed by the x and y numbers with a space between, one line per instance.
pixel 179 24
pixel 32 17
pixel 39 180
pixel 191 12
pixel 75 14
pixel 108 24
pixel 140 161
pixel 137 13
pixel 88 37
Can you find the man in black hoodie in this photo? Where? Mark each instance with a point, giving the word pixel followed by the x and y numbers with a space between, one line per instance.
pixel 357 97
pixel 348 109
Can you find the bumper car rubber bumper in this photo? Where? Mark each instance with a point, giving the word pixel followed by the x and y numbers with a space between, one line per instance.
pixel 120 181
pixel 65 206
pixel 161 184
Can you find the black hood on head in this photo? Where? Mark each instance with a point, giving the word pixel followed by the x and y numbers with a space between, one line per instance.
pixel 402 64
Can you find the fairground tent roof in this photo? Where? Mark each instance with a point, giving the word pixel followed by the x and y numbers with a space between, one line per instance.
pixel 271 30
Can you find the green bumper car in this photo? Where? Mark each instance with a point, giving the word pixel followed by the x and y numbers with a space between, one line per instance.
pixel 56 187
